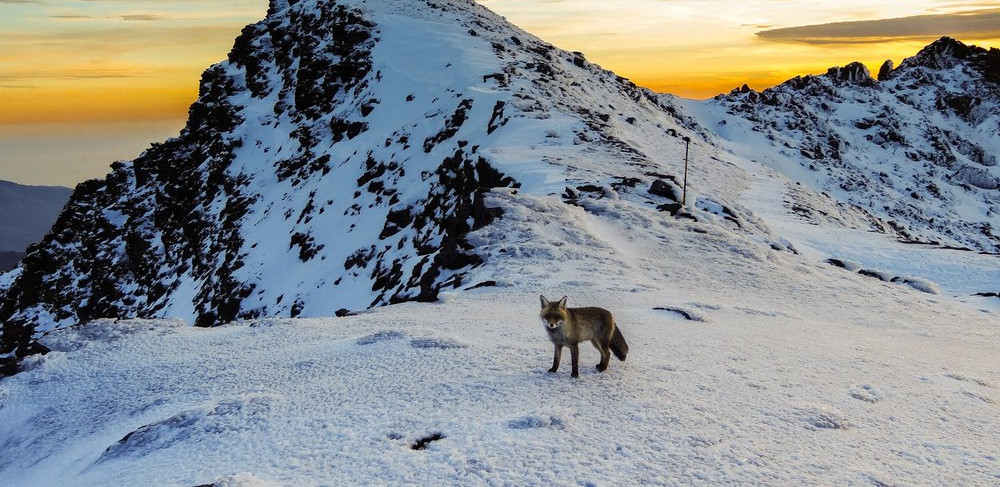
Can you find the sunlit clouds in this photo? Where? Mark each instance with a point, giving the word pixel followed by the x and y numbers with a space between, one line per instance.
pixel 973 24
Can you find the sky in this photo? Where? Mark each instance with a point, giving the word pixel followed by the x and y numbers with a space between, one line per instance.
pixel 87 82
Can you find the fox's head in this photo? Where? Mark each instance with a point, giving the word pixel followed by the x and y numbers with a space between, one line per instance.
pixel 553 314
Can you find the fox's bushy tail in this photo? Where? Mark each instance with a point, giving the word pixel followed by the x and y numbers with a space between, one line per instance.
pixel 618 345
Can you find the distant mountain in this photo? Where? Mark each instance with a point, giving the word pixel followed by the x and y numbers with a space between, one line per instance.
pixel 353 154
pixel 918 146
pixel 26 214
pixel 9 259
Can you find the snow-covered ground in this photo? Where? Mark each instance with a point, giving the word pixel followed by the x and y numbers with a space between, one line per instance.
pixel 786 371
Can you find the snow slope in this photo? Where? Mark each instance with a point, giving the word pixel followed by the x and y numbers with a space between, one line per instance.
pixel 787 372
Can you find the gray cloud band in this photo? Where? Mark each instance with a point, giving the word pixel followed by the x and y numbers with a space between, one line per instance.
pixel 979 23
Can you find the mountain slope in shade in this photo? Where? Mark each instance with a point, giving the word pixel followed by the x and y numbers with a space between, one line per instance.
pixel 918 146
pixel 27 213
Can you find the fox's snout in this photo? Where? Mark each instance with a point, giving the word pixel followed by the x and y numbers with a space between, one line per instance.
pixel 552 325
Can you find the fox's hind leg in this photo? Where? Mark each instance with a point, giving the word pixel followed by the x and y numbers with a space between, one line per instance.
pixel 605 355
pixel 574 353
pixel 555 359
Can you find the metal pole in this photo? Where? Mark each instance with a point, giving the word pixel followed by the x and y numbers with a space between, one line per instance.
pixel 687 147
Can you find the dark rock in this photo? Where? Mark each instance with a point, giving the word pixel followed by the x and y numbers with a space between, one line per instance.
pixel 490 283
pixel 673 209
pixel 854 73
pixel 876 275
pixel 422 443
pixel 664 189
pixel 885 71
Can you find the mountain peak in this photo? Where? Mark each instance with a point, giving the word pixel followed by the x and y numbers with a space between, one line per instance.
pixel 338 160
pixel 925 132
pixel 946 53
pixel 853 73
pixel 947 47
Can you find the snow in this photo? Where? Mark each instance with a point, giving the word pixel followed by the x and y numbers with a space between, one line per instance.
pixel 791 372
pixel 752 360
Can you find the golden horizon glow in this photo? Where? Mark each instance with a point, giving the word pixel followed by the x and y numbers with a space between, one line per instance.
pixel 108 61
pixel 701 48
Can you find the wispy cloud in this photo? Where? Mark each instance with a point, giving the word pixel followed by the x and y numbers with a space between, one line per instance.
pixel 141 17
pixel 99 76
pixel 71 17
pixel 978 23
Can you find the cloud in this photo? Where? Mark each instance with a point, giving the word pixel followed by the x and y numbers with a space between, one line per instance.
pixel 141 17
pixel 94 73
pixel 976 23
pixel 71 17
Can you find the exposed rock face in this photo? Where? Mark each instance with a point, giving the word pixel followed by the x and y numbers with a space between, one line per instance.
pixel 918 147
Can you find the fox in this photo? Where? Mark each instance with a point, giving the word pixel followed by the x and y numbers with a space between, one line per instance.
pixel 567 327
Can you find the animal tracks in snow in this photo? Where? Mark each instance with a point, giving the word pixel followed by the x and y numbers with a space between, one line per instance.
pixel 973 380
pixel 418 342
pixel 866 393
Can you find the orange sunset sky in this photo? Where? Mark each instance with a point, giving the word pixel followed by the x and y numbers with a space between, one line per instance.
pixel 87 82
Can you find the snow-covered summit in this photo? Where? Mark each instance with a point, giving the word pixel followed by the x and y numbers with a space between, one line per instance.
pixel 947 53
pixel 337 160
pixel 917 147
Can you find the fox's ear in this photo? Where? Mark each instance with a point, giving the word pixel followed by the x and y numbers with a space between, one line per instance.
pixel 545 302
pixel 562 302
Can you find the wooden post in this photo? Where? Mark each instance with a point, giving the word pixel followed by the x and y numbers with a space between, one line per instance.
pixel 687 147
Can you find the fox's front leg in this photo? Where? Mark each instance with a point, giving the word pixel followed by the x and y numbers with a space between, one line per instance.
pixel 574 353
pixel 555 359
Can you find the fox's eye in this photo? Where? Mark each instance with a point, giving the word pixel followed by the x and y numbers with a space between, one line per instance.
pixel 560 323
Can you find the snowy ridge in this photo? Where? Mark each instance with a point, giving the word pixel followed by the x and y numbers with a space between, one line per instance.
pixel 917 147
pixel 332 165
